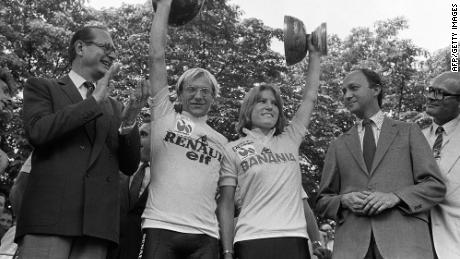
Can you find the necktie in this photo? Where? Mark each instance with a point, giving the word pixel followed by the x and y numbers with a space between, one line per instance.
pixel 92 124
pixel 438 142
pixel 369 146
pixel 136 184
pixel 89 88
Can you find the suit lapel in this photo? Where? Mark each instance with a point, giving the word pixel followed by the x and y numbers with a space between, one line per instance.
pixel 103 125
pixel 386 138
pixel 70 89
pixel 353 143
pixel 451 156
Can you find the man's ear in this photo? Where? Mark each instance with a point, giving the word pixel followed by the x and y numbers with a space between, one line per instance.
pixel 377 90
pixel 79 47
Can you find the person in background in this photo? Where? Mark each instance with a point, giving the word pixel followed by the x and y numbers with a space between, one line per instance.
pixel 133 198
pixel 2 201
pixel 8 247
pixel 2 209
pixel 327 235
pixel 6 220
pixel 443 104
pixel 7 88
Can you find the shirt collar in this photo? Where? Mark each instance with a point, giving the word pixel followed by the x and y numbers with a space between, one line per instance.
pixel 377 118
pixel 256 134
pixel 448 127
pixel 77 79
pixel 193 118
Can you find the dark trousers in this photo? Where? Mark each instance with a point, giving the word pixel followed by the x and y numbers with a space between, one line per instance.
pixel 273 248
pixel 166 244
pixel 373 252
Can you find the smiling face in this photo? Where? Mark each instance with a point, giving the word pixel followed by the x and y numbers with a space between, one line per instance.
pixel 144 132
pixel 265 112
pixel 95 56
pixel 197 96
pixel 358 97
pixel 6 220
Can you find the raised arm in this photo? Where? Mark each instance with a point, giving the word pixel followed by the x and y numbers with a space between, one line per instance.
pixel 310 90
pixel 158 34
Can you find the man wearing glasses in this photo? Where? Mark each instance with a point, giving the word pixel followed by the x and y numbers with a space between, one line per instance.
pixel 179 220
pixel 443 104
pixel 82 139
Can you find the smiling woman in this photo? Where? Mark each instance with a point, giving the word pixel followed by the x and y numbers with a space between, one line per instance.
pixel 261 109
pixel 264 164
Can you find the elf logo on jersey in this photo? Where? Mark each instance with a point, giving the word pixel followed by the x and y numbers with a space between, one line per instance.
pixel 184 126
pixel 245 150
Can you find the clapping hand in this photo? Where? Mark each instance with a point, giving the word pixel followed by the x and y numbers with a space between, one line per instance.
pixel 137 100
pixel 102 89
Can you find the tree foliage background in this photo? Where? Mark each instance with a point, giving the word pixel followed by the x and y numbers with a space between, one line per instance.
pixel 34 37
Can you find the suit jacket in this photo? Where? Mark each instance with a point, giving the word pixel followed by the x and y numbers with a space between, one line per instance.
pixel 403 164
pixel 130 223
pixel 74 182
pixel 445 217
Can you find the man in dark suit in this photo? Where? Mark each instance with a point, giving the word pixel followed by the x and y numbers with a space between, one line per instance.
pixel 133 197
pixel 82 139
pixel 379 180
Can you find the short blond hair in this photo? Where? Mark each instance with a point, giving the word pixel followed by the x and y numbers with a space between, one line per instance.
pixel 194 73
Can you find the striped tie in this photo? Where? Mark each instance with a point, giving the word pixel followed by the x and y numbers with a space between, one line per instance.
pixel 89 88
pixel 438 143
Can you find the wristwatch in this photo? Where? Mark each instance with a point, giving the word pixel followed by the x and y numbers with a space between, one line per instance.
pixel 227 251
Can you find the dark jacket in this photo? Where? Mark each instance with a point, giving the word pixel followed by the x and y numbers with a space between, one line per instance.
pixel 74 182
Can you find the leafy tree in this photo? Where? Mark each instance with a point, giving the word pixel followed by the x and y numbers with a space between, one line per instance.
pixel 34 38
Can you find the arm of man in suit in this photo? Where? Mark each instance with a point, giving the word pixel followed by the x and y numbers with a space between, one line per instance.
pixel 428 188
pixel 42 123
pixel 129 151
pixel 129 144
pixel 17 191
pixel 330 202
pixel 137 100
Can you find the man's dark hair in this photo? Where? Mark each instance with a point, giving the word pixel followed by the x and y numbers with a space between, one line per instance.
pixel 84 34
pixel 374 80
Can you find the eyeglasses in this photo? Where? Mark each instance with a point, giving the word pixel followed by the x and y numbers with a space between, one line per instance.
pixel 107 47
pixel 192 90
pixel 437 94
